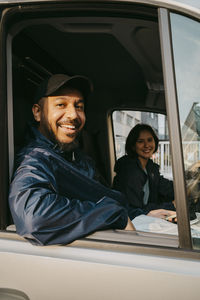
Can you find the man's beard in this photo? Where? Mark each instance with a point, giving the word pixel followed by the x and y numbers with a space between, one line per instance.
pixel 69 147
pixel 65 147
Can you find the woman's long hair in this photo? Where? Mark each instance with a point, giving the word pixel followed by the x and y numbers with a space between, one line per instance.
pixel 134 135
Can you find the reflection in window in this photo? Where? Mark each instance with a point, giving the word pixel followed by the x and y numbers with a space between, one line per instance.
pixel 186 47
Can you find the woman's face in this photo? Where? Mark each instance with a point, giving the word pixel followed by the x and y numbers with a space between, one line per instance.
pixel 145 145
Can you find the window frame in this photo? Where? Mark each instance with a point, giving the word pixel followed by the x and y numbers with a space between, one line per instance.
pixel 185 240
pixel 112 241
pixel 141 110
pixel 4 152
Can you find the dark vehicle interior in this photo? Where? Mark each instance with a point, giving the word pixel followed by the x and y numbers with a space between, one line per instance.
pixel 120 53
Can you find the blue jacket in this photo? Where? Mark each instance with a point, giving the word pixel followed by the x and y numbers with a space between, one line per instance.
pixel 55 201
pixel 130 179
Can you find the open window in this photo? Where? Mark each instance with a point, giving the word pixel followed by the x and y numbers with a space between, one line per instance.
pixel 124 121
pixel 119 51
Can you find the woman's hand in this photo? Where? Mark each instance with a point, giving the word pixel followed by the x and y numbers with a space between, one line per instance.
pixel 162 214
pixel 129 225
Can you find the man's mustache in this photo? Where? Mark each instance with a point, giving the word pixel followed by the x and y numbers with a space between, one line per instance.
pixel 76 123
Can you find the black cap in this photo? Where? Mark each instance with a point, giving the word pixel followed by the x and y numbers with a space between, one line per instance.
pixel 49 86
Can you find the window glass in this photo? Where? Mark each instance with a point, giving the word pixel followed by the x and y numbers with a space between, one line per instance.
pixel 129 120
pixel 186 49
pixel 119 117
pixel 159 124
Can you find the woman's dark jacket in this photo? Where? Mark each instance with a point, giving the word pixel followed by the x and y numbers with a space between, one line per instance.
pixel 130 179
pixel 55 201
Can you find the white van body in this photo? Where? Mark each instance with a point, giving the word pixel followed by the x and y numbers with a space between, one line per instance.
pixel 108 264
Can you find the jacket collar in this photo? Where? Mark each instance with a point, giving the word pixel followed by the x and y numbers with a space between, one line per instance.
pixel 148 165
pixel 36 135
pixel 40 139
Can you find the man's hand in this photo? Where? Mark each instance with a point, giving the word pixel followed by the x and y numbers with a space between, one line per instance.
pixel 129 225
pixel 162 214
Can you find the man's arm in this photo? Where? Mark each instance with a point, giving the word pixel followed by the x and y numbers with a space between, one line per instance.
pixel 45 217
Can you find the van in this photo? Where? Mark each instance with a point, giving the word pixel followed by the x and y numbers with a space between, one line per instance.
pixel 143 58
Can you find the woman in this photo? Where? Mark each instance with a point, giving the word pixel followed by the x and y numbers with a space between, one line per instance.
pixel 138 177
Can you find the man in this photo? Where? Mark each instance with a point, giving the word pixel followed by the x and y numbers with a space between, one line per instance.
pixel 54 197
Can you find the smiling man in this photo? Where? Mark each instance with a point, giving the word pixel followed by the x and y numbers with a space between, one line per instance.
pixel 54 197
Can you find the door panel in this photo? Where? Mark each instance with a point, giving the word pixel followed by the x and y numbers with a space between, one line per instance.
pixel 57 272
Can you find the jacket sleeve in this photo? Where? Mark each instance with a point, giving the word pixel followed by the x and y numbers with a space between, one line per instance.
pixel 166 189
pixel 45 217
pixel 165 194
pixel 133 189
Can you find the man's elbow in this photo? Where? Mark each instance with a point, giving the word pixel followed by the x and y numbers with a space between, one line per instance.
pixel 30 227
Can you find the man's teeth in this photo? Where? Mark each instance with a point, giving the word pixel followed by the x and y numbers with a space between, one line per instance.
pixel 68 126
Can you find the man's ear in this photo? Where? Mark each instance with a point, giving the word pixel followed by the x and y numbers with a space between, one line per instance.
pixel 36 109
